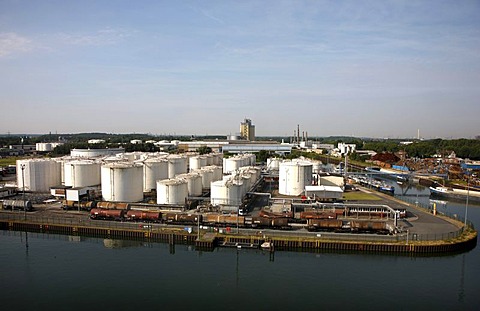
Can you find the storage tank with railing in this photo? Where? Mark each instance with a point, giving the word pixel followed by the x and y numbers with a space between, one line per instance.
pixel 82 173
pixel 172 191
pixel 273 164
pixel 122 182
pixel 194 183
pixel 207 177
pixel 154 169
pixel 294 176
pixel 38 175
pixel 197 162
pixel 226 193
pixel 177 165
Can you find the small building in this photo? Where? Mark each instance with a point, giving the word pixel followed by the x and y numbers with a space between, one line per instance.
pixel 324 192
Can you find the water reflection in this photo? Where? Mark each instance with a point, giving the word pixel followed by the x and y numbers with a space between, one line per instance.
pixel 111 243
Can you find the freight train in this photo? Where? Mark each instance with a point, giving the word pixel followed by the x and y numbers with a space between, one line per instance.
pixel 311 221
pixel 182 218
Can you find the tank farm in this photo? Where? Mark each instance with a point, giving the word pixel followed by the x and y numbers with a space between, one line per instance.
pixel 210 201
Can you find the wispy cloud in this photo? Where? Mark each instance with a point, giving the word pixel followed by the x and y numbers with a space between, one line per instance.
pixel 11 43
pixel 107 36
pixel 210 16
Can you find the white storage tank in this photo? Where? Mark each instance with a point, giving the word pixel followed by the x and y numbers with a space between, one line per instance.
pixel 134 156
pixel 209 158
pixel 39 174
pixel 251 159
pixel 273 164
pixel 232 164
pixel 197 162
pixel 207 177
pixel 194 183
pixel 294 176
pixel 217 172
pixel 43 147
pixel 226 192
pixel 217 158
pixel 82 173
pixel 247 181
pixel 172 191
pixel 176 165
pixel 154 169
pixel 122 182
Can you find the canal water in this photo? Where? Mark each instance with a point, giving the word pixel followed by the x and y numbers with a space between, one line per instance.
pixel 54 272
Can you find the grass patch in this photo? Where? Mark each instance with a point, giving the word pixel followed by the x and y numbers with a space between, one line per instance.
pixel 360 196
pixel 8 161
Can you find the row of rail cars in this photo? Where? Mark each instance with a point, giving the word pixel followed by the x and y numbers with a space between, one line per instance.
pixel 312 221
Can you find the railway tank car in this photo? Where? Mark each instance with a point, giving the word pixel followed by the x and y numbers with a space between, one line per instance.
pixel 107 214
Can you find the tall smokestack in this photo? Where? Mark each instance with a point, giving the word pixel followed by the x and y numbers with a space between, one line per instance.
pixel 298 133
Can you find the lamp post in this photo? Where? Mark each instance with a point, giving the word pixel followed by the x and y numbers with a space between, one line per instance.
pixel 22 166
pixel 469 172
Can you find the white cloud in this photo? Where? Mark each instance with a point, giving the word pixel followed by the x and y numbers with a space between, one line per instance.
pixel 105 36
pixel 11 43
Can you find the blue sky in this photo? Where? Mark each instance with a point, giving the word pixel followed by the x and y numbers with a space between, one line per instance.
pixel 361 68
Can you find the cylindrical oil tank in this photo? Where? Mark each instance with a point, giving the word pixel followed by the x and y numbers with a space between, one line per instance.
pixel 247 181
pixel 197 162
pixel 194 183
pixel 38 175
pixel 227 192
pixel 82 173
pixel 176 165
pixel 17 204
pixel 251 159
pixel 172 191
pixel 294 176
pixel 255 172
pixel 154 169
pixel 122 182
pixel 207 177
pixel 217 172
pixel 273 164
pixel 232 164
pixel 209 158
pixel 217 158
pixel 135 156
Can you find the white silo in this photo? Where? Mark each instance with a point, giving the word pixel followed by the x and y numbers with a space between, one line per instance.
pixel 273 164
pixel 247 181
pixel 154 169
pixel 82 173
pixel 38 175
pixel 217 158
pixel 197 162
pixel 134 156
pixel 207 175
pixel 172 191
pixel 226 192
pixel 209 158
pixel 217 172
pixel 194 183
pixel 122 182
pixel 232 164
pixel 294 176
pixel 176 165
pixel 251 159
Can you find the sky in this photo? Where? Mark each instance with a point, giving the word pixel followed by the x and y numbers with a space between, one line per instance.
pixel 383 69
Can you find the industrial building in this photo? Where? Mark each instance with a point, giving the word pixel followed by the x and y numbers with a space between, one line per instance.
pixel 247 130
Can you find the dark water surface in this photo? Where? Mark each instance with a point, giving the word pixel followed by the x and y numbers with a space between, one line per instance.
pixel 67 273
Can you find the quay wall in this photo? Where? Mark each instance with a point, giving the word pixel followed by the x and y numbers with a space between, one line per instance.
pixel 174 235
